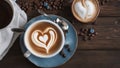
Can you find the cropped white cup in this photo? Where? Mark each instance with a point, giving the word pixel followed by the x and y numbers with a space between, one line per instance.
pixel 31 51
pixel 19 16
pixel 7 37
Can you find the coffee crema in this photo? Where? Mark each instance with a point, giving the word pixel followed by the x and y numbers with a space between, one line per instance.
pixel 85 10
pixel 6 14
pixel 44 38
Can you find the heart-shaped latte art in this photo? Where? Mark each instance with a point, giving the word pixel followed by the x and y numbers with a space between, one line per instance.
pixel 85 9
pixel 44 38
pixel 40 38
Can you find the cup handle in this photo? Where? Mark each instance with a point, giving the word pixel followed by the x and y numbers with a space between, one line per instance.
pixel 27 54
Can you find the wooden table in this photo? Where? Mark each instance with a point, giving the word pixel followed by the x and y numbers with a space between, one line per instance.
pixel 101 52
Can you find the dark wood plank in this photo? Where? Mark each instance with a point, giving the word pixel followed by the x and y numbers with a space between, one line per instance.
pixel 94 59
pixel 108 37
pixel 112 8
pixel 15 58
pixel 81 59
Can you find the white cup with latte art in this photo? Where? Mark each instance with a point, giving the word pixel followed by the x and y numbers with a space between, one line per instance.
pixel 44 38
pixel 86 11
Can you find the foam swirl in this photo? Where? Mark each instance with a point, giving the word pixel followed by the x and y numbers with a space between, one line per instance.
pixel 40 38
pixel 85 9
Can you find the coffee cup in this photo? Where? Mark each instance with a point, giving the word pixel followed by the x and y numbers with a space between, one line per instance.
pixel 6 14
pixel 85 11
pixel 11 14
pixel 44 39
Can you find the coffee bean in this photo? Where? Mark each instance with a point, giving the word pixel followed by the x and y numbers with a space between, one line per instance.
pixel 90 38
pixel 95 33
pixel 92 35
pixel 54 6
pixel 62 53
pixel 40 7
pixel 64 56
pixel 51 5
pixel 68 47
pixel 81 34
pixel 87 33
pixel 60 7
pixel 61 0
pixel 102 2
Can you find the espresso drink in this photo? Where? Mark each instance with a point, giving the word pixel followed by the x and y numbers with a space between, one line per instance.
pixel 6 13
pixel 44 38
pixel 85 10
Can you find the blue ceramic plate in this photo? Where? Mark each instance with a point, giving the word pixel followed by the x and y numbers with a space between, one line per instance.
pixel 71 39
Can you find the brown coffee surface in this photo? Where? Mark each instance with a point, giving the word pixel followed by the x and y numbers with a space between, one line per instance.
pixel 6 14
pixel 42 28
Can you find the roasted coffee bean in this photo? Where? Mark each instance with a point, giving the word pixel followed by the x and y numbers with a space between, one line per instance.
pixel 87 33
pixel 60 7
pixel 92 35
pixel 62 54
pixel 81 34
pixel 102 2
pixel 68 47
pixel 90 38
pixel 96 33
pixel 51 5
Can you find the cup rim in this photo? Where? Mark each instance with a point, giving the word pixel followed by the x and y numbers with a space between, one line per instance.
pixel 27 45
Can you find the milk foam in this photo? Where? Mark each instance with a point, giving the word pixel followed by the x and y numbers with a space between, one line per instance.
pixel 40 38
pixel 85 10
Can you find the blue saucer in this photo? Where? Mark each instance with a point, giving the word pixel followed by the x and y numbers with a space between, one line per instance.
pixel 71 39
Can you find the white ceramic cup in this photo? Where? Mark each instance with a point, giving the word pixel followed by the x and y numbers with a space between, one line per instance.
pixel 7 37
pixel 28 46
pixel 19 16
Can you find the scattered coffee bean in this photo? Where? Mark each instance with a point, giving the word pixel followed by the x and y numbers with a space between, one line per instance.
pixel 90 38
pixel 30 5
pixel 102 2
pixel 62 54
pixel 68 47
pixel 79 33
pixel 87 33
pixel 96 33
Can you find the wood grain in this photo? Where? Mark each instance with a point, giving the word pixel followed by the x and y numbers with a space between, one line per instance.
pixel 108 37
pixel 111 8
pixel 94 59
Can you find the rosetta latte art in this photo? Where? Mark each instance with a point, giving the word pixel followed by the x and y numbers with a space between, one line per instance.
pixel 40 38
pixel 85 9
